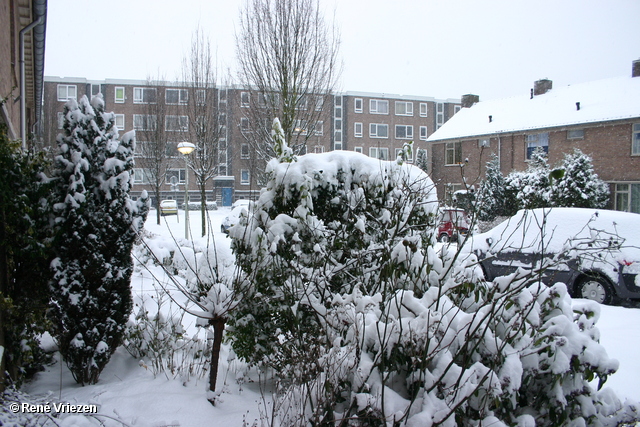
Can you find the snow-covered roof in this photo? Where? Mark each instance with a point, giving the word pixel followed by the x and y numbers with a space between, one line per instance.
pixel 600 101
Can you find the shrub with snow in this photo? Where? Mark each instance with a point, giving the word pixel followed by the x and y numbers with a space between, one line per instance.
pixel 96 224
pixel 365 323
pixel 580 186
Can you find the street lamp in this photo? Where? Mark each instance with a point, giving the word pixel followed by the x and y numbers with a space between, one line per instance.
pixel 186 148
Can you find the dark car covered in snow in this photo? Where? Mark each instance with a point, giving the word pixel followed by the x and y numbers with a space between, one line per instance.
pixel 596 253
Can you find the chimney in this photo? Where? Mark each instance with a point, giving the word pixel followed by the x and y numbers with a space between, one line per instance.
pixel 542 86
pixel 468 100
pixel 635 72
pixel 578 106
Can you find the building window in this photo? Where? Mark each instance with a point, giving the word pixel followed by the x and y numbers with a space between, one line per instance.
pixel 378 106
pixel 201 96
pixel 635 146
pixel 357 149
pixel 318 149
pixel 404 132
pixel 244 124
pixel 176 123
pixel 319 102
pixel 439 114
pixel 377 130
pixel 319 129
pixel 244 99
pixel 244 151
pixel 423 109
pixel 357 103
pixel 357 130
pixel 456 108
pixel 453 153
pixel 67 92
pixel 409 160
pixel 176 96
pixel 140 176
pixel 381 153
pixel 627 197
pixel 484 143
pixel 177 176
pixel 244 176
pixel 423 133
pixel 144 95
pixel 95 89
pixel 537 141
pixel 575 134
pixel 120 122
pixel 119 95
pixel 337 136
pixel 144 122
pixel 337 146
pixel 404 108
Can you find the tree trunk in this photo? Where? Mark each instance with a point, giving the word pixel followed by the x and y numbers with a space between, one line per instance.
pixel 203 207
pixel 158 205
pixel 218 329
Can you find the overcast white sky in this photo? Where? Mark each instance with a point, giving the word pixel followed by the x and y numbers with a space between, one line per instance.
pixel 439 48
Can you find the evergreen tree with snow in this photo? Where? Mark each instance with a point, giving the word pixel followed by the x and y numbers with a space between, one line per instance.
pixel 97 223
pixel 492 192
pixel 421 159
pixel 580 186
pixel 531 188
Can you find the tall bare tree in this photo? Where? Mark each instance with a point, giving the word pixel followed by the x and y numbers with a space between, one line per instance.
pixel 199 79
pixel 155 145
pixel 288 58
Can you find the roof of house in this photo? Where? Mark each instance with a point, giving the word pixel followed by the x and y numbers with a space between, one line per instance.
pixel 600 101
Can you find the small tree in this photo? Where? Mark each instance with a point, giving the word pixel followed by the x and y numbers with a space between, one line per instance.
pixel 97 223
pixel 580 185
pixel 532 188
pixel 492 192
pixel 421 160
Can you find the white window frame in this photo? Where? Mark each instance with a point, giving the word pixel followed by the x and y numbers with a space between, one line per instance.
pixel 139 95
pixel 456 149
pixel 357 105
pixel 243 180
pixel 179 172
pixel 245 124
pixel 407 106
pixel 484 142
pixel 146 120
pixel 626 203
pixel 536 140
pixel 357 129
pixel 245 99
pixel 67 92
pixel 357 149
pixel 201 97
pixel 408 131
pixel 319 129
pixel 139 176
pixel 319 102
pixel 116 98
pixel 456 108
pixel 245 153
pixel 424 109
pixel 121 119
pixel 409 160
pixel 318 149
pixel 181 123
pixel 379 106
pixel 183 96
pixel 575 134
pixel 94 85
pixel 424 133
pixel 374 130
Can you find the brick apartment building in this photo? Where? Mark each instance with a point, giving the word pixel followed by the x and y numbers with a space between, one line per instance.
pixel 371 123
pixel 601 118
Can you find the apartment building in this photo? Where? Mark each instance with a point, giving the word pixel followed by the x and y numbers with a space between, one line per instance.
pixel 601 118
pixel 377 125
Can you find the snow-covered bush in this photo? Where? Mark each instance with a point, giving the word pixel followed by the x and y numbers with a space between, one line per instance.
pixel 492 194
pixel 156 337
pixel 530 189
pixel 364 322
pixel 580 186
pixel 96 224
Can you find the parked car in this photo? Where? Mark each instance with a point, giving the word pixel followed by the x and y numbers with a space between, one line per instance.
pixel 596 253
pixel 168 207
pixel 195 206
pixel 453 224
pixel 234 216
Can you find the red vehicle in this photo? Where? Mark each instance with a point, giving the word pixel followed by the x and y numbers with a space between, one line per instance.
pixel 453 223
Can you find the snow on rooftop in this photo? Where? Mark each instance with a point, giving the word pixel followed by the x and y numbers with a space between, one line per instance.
pixel 602 100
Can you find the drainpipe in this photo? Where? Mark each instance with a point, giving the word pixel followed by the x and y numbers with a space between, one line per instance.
pixel 23 89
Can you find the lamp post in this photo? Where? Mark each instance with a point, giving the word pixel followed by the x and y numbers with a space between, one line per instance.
pixel 186 148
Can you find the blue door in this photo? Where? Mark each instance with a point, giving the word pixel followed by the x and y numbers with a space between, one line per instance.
pixel 227 196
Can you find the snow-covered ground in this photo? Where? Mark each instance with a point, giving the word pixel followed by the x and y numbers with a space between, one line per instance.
pixel 129 391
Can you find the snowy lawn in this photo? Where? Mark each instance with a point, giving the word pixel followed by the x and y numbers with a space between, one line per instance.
pixel 129 391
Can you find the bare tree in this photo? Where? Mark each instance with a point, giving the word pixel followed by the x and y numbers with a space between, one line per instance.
pixel 288 61
pixel 199 79
pixel 155 147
